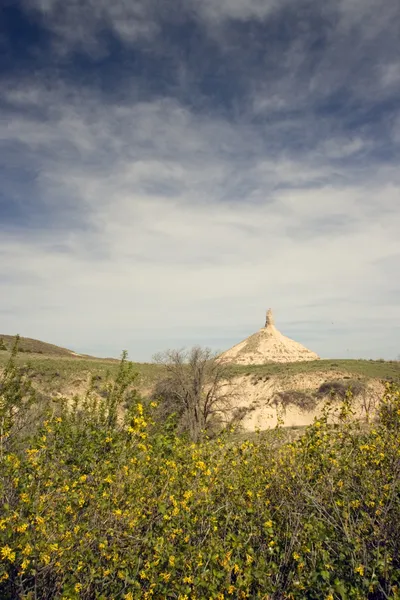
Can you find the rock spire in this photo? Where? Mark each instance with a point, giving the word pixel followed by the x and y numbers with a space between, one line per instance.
pixel 267 345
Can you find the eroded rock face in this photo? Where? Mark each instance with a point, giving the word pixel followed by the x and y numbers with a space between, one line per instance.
pixel 267 345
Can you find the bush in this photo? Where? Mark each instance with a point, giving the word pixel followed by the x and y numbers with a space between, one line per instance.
pixel 99 503
pixel 303 400
pixel 341 388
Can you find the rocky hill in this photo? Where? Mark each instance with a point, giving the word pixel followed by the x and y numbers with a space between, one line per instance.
pixel 267 345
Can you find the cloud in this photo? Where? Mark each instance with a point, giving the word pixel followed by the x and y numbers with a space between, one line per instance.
pixel 145 217
pixel 81 24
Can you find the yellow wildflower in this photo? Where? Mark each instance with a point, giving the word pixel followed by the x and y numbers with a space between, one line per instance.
pixel 27 550
pixel 7 553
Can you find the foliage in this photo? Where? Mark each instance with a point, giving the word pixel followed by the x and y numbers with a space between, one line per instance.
pixel 195 388
pixel 98 503
pixel 17 399
pixel 303 400
pixel 341 387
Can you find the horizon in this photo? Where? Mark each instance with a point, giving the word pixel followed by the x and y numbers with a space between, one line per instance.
pixel 169 171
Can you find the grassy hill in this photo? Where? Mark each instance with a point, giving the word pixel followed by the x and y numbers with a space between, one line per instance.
pixel 32 346
pixel 58 370
pixel 373 369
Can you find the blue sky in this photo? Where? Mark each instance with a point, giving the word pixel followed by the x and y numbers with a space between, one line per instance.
pixel 169 170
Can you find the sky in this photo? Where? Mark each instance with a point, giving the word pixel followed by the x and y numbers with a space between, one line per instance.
pixel 172 168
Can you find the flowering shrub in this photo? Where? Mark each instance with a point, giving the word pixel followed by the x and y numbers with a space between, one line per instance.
pixel 96 505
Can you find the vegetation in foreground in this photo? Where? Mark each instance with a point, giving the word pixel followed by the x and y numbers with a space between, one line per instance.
pixel 101 500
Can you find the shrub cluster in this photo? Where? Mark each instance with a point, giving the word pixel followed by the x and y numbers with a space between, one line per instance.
pixel 100 503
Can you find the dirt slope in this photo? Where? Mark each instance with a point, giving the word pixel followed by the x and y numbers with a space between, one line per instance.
pixel 266 398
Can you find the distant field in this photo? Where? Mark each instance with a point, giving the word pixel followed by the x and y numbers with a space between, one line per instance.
pixel 366 368
pixel 53 369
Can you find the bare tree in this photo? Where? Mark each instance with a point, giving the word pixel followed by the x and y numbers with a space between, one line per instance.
pixel 196 387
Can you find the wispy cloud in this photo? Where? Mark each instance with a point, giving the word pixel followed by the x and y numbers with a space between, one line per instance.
pixel 203 186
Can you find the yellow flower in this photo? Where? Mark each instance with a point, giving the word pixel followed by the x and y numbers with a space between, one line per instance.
pixel 22 528
pixel 27 550
pixel 360 570
pixel 25 564
pixel 268 524
pixel 78 587
pixel 7 554
pixel 171 561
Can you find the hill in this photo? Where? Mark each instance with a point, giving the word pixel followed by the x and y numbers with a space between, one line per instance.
pixel 267 345
pixel 57 371
pixel 33 346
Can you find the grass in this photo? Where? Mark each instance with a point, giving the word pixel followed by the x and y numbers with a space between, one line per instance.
pixel 56 372
pixel 366 368
pixel 30 345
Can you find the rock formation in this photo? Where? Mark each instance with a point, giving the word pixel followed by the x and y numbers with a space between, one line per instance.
pixel 267 345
